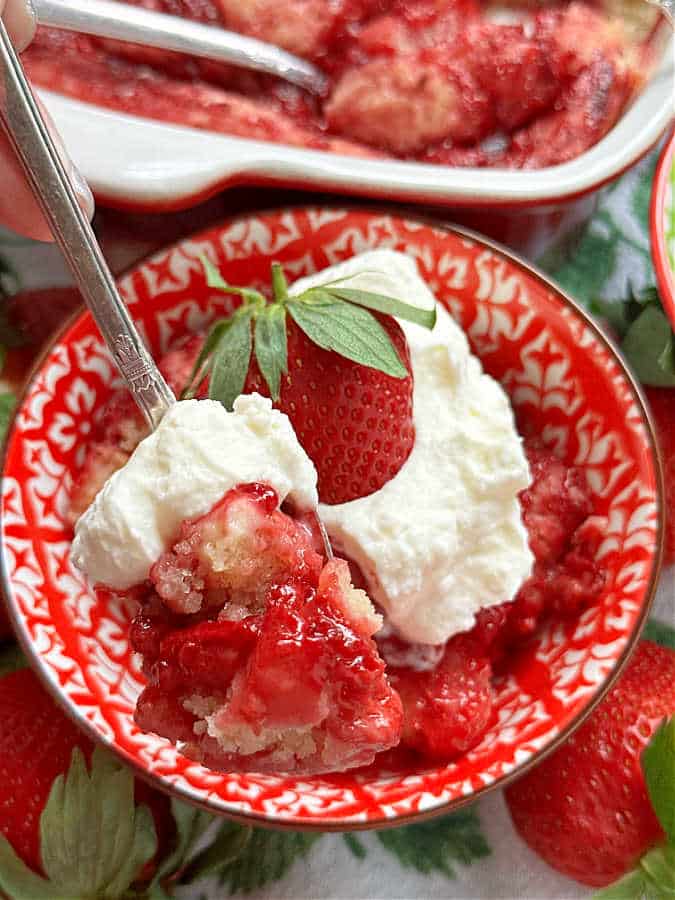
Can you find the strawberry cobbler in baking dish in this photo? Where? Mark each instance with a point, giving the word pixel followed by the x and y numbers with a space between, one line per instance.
pixel 454 82
pixel 352 399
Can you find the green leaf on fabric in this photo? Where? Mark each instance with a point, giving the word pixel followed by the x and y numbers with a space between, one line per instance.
pixel 384 304
pixel 232 357
pixel 7 403
pixel 355 846
pixel 435 846
pixel 640 200
pixel 658 764
pixel 271 347
pixel 267 857
pixel 590 267
pixel 229 843
pixel 614 241
pixel 649 347
pixel 94 841
pixel 348 330
pixel 660 632
pixel 191 823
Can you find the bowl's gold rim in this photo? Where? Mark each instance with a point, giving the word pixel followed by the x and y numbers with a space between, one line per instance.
pixel 334 825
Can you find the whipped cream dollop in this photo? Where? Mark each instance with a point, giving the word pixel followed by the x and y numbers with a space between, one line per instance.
pixel 444 538
pixel 198 453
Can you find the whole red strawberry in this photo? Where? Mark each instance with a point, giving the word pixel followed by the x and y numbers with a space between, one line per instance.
pixel 662 402
pixel 74 822
pixel 354 422
pixel 335 361
pixel 586 809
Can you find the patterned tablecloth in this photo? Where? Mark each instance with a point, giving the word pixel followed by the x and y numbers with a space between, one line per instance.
pixel 474 853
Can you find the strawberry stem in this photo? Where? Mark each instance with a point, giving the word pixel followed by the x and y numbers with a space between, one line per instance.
pixel 279 283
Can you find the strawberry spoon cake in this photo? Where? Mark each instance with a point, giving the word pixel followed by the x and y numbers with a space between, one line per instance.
pixel 351 392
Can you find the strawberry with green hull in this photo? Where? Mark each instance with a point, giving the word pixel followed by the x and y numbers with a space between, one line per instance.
pixel 338 369
pixel 124 838
pixel 333 359
pixel 601 809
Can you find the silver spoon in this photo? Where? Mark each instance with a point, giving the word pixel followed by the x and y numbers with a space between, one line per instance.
pixel 35 149
pixel 37 153
pixel 123 22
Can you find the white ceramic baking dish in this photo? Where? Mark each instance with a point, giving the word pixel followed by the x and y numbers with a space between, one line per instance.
pixel 141 164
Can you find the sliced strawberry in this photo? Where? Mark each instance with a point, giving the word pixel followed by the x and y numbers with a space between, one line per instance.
pixel 316 683
pixel 588 109
pixel 446 709
pixel 513 69
pixel 575 37
pixel 564 538
pixel 284 676
pixel 205 656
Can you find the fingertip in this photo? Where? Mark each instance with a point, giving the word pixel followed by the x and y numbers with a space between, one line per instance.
pixel 20 19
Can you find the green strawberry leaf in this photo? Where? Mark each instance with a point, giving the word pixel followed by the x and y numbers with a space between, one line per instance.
pixel 267 856
pixel 232 357
pixel 215 280
pixel 191 823
pixel 355 846
pixel 94 841
pixel 204 361
pixel 348 330
pixel 21 883
pixel 648 346
pixel 229 843
pixel 271 349
pixel 660 633
pixel 7 403
pixel 432 846
pixel 658 764
pixel 384 304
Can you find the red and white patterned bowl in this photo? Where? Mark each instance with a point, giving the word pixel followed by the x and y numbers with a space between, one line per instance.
pixel 566 382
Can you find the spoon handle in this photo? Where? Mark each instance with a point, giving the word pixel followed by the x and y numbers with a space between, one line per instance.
pixel 35 149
